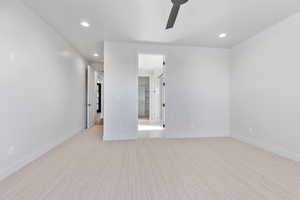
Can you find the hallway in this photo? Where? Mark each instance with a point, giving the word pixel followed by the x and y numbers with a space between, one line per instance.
pixel 85 168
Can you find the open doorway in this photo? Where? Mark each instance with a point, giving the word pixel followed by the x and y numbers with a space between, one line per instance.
pixel 151 95
pixel 94 95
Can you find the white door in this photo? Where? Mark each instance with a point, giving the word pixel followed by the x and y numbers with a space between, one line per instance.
pixel 91 97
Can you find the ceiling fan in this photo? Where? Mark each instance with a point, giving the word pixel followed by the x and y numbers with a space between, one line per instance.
pixel 174 12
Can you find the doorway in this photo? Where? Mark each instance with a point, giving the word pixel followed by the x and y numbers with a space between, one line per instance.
pixel 151 95
pixel 144 97
pixel 94 96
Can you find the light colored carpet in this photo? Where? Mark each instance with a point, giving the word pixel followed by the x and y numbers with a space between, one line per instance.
pixel 85 168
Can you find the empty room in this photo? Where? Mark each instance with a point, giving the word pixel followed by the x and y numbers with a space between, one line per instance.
pixel 149 100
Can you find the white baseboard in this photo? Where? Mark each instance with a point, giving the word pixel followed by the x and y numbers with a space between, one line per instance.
pixel 269 147
pixel 35 155
pixel 184 135
pixel 119 138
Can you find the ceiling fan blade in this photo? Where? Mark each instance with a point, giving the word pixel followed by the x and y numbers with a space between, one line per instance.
pixel 173 16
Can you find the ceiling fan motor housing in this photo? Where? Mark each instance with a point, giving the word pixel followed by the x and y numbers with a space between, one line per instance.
pixel 179 2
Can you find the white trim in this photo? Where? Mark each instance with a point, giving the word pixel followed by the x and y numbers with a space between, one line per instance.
pixel 269 147
pixel 126 138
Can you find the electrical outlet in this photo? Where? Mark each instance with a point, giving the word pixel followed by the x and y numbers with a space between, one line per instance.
pixel 11 150
pixel 12 56
pixel 250 130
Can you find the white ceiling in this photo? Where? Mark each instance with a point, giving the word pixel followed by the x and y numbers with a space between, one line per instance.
pixel 199 21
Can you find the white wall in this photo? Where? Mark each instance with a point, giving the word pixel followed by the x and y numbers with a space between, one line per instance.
pixel 42 87
pixel 197 90
pixel 265 105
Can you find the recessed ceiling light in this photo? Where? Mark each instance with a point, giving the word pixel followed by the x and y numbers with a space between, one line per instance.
pixel 96 55
pixel 223 35
pixel 85 24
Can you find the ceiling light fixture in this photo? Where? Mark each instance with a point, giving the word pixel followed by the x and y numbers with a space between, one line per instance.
pixel 85 24
pixel 223 35
pixel 96 54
